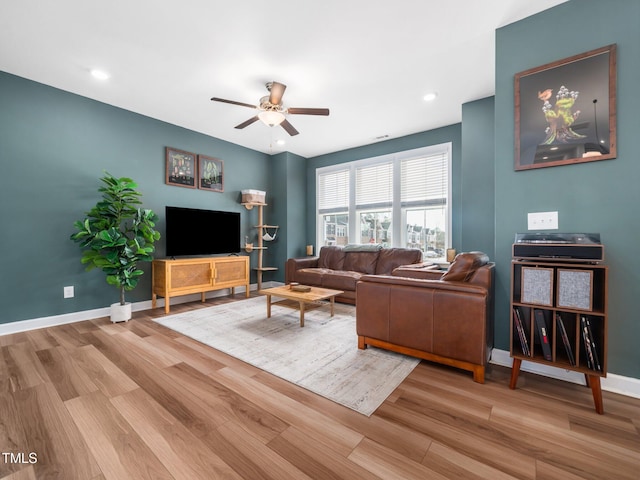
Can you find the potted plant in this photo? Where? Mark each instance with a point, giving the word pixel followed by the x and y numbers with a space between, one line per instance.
pixel 115 236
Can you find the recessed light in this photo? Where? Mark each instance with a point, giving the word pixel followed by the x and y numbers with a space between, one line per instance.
pixel 430 97
pixel 99 74
pixel 280 142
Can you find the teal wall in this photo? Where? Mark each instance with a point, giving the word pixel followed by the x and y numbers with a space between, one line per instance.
pixel 477 177
pixel 447 134
pixel 287 209
pixel 296 207
pixel 591 197
pixel 53 148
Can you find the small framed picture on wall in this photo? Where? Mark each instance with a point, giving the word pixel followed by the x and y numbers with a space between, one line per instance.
pixel 210 174
pixel 180 168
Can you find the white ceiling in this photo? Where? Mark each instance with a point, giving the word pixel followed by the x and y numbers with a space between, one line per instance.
pixel 369 61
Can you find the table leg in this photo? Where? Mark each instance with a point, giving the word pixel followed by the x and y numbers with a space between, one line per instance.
pixel 302 314
pixel 268 306
pixel 333 302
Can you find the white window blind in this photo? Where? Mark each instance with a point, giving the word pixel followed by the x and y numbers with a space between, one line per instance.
pixel 411 188
pixel 333 191
pixel 374 186
pixel 424 180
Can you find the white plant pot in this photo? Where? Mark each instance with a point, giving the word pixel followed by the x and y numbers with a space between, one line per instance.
pixel 120 313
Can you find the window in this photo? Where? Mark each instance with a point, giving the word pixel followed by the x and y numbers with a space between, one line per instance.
pixel 374 201
pixel 424 192
pixel 394 200
pixel 334 205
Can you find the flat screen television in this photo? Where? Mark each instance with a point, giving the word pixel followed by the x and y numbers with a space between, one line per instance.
pixel 192 231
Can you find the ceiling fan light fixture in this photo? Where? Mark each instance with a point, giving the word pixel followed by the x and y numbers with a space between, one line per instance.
pixel 271 117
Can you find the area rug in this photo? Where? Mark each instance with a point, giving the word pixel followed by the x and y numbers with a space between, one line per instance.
pixel 322 356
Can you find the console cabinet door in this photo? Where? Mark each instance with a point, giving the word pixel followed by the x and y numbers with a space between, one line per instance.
pixel 231 271
pixel 190 275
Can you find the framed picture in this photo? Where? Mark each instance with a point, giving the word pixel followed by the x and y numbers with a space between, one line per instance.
pixel 574 289
pixel 181 168
pixel 211 174
pixel 565 111
pixel 537 286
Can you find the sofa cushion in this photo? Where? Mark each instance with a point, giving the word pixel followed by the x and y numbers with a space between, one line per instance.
pixel 391 258
pixel 464 266
pixel 341 280
pixel 363 262
pixel 331 257
pixel 312 276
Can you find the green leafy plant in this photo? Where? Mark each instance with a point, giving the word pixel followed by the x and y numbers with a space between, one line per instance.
pixel 117 234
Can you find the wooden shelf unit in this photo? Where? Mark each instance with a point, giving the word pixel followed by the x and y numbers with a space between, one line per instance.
pixel 563 294
pixel 171 278
pixel 262 229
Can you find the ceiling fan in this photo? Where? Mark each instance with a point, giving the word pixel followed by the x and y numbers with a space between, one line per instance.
pixel 271 111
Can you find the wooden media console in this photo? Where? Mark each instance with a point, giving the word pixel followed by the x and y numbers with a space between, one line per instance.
pixel 171 278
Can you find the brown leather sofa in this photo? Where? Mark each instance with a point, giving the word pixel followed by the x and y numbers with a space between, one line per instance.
pixel 340 267
pixel 445 318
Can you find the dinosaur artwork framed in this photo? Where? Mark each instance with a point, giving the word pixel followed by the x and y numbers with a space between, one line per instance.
pixel 565 111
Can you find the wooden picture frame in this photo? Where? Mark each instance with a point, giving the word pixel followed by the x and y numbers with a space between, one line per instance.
pixel 565 111
pixel 537 286
pixel 210 173
pixel 575 289
pixel 181 168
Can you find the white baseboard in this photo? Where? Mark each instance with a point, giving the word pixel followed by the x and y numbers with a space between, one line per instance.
pixel 628 386
pixel 54 320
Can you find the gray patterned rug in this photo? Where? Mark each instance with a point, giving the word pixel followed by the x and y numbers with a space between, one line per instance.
pixel 322 356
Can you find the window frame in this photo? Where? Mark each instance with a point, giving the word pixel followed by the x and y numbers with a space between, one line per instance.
pixel 398 211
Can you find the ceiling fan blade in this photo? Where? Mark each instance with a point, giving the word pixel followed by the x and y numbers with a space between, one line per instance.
pixel 308 111
pixel 277 90
pixel 247 122
pixel 289 128
pixel 232 102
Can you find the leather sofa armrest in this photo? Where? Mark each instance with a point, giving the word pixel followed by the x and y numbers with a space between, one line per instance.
pixel 426 270
pixel 294 264
pixel 425 283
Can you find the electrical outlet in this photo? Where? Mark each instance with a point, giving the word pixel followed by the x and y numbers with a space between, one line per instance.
pixel 68 292
pixel 542 221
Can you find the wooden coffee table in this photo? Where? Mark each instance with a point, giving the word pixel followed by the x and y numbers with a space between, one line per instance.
pixel 313 296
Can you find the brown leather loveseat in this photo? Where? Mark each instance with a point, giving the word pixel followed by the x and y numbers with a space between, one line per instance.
pixel 445 318
pixel 340 267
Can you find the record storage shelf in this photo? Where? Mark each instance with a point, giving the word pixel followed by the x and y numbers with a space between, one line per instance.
pixel 571 298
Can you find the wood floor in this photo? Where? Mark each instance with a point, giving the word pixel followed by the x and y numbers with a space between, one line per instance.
pixel 93 400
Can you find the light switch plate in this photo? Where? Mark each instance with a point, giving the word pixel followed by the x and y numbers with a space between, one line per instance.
pixel 68 292
pixel 542 221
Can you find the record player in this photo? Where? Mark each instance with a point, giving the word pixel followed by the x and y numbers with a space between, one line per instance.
pixel 568 247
